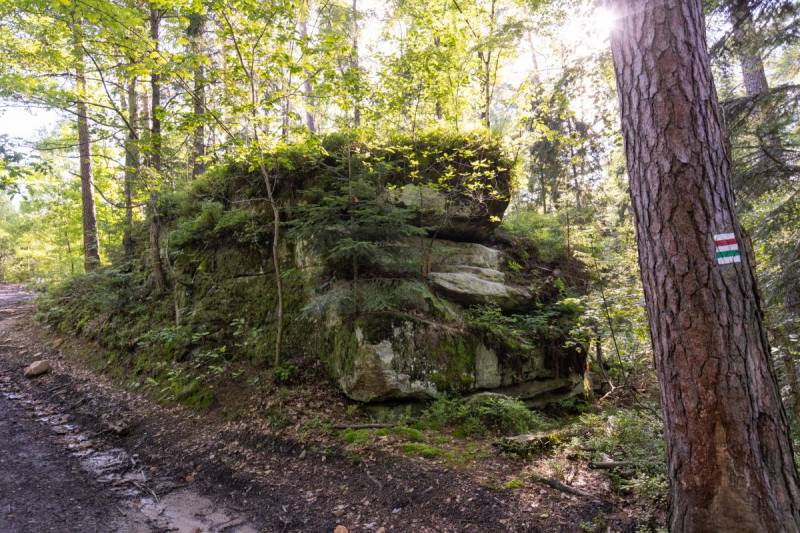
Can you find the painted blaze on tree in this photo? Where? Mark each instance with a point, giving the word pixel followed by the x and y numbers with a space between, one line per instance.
pixel 730 459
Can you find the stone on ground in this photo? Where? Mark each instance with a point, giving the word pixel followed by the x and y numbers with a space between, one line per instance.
pixel 37 368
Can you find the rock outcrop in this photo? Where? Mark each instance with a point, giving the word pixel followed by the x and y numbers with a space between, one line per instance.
pixel 457 216
pixel 430 348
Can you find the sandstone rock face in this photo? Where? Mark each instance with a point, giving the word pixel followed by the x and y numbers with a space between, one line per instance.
pixel 418 360
pixel 471 288
pixel 419 356
pixel 378 373
pixel 470 274
pixel 37 368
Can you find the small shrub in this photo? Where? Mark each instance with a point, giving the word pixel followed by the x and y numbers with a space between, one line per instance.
pixel 634 436
pixel 482 414
pixel 629 435
pixel 512 484
pixel 409 434
pixel 419 449
pixel 545 230
pixel 356 436
pixel 285 373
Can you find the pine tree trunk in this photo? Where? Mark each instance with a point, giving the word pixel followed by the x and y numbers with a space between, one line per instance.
pixel 730 459
pixel 91 249
pixel 131 167
pixel 753 75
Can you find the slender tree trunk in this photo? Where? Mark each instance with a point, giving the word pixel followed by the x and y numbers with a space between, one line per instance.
pixel 486 94
pixel 437 111
pixel 155 97
pixel 744 36
pixel 308 90
pixel 91 249
pixel 486 58
pixel 787 356
pixel 286 108
pixel 354 59
pixel 131 167
pixel 770 164
pixel 542 191
pixel 159 279
pixel 730 459
pixel 195 31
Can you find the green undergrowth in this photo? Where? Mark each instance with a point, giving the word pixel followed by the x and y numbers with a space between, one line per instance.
pixel 632 436
pixel 457 431
pixel 545 232
pixel 481 415
pixel 417 443
pixel 173 348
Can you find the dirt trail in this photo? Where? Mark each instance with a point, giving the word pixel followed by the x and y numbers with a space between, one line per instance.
pixel 55 476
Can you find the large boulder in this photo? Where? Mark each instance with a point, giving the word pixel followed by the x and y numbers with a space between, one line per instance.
pixel 381 358
pixel 427 349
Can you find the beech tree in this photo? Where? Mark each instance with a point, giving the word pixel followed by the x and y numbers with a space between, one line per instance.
pixel 730 459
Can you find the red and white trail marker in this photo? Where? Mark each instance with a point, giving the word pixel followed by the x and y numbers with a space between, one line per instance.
pixel 727 249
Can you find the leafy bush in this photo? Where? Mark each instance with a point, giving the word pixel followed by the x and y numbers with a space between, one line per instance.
pixel 409 434
pixel 543 229
pixel 285 373
pixel 628 435
pixel 470 164
pixel 526 331
pixel 419 449
pixel 356 436
pixel 482 414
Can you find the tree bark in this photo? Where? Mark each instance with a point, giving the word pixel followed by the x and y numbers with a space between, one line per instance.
pixel 131 167
pixel 730 458
pixel 91 249
pixel 158 276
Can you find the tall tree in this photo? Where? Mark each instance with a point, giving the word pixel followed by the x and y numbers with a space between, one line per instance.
pixel 197 23
pixel 355 67
pixel 308 91
pixel 158 276
pixel 91 251
pixel 730 458
pixel 744 36
pixel 131 166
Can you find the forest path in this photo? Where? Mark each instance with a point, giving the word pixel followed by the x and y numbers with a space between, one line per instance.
pixel 56 476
